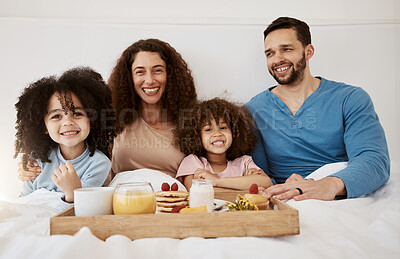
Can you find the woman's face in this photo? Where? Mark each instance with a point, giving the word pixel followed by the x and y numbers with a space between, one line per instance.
pixel 149 74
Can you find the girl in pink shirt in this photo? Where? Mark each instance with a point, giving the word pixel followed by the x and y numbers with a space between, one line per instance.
pixel 216 136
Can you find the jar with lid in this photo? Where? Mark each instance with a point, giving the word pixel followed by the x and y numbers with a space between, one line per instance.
pixel 202 193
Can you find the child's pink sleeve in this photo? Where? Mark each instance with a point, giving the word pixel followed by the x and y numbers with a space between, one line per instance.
pixel 189 165
pixel 249 163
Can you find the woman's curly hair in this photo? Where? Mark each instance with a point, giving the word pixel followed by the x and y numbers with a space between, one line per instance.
pixel 179 92
pixel 188 131
pixel 88 85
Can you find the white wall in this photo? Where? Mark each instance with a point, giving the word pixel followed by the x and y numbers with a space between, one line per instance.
pixel 356 42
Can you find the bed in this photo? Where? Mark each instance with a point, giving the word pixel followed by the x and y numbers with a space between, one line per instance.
pixel 366 227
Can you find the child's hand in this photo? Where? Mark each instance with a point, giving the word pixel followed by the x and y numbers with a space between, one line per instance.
pixel 252 171
pixel 33 170
pixel 67 180
pixel 205 174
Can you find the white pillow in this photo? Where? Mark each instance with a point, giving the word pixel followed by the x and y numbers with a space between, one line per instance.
pixel 156 178
pixel 327 170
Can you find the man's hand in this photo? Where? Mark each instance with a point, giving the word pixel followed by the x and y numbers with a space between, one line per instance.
pixel 205 174
pixel 33 171
pixel 294 177
pixel 67 180
pixel 324 189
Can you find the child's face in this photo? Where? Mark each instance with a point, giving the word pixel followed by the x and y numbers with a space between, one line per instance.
pixel 216 139
pixel 68 130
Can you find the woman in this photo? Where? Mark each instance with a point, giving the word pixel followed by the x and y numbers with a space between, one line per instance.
pixel 151 86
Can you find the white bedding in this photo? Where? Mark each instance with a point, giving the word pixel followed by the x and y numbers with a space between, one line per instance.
pixel 366 227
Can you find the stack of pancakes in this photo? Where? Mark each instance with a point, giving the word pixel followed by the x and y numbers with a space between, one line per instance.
pixel 167 200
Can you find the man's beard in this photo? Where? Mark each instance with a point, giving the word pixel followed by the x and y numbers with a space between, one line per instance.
pixel 296 75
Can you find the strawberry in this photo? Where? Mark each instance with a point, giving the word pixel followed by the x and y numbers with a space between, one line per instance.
pixel 174 187
pixel 253 189
pixel 165 187
pixel 178 208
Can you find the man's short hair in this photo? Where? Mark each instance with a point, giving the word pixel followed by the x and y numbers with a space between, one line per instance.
pixel 301 28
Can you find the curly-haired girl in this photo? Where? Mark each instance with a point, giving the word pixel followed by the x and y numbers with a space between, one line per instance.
pixel 150 84
pixel 216 136
pixel 62 126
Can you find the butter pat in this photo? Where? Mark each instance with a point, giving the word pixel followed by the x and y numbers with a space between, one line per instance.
pixel 194 209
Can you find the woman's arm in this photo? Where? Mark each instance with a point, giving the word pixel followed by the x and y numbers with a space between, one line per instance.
pixel 110 176
pixel 33 170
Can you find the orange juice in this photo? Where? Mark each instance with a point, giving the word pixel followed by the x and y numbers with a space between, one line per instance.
pixel 134 202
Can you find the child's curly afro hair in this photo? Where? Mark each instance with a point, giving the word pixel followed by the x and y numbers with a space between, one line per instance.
pixel 88 85
pixel 188 131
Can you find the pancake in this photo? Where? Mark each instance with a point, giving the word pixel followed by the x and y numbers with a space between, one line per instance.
pixel 180 194
pixel 170 199
pixel 164 209
pixel 171 204
pixel 167 200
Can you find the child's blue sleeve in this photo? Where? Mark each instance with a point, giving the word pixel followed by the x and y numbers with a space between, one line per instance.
pixel 96 174
pixel 27 187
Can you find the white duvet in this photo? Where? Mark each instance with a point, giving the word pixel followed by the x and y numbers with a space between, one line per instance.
pixel 366 227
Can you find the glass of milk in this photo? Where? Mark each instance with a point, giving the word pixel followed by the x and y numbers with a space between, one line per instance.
pixel 202 193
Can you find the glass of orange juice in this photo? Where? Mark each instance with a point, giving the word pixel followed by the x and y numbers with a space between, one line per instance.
pixel 134 198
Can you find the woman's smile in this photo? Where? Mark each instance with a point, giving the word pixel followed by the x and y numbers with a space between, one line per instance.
pixel 149 76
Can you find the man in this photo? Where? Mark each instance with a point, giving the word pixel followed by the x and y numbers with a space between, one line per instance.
pixel 306 122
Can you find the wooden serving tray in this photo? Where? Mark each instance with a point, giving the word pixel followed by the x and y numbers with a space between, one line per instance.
pixel 280 219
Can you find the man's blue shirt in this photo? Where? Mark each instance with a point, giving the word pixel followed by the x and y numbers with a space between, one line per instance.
pixel 336 123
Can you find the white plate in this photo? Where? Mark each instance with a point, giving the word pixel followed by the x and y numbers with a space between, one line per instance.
pixel 218 203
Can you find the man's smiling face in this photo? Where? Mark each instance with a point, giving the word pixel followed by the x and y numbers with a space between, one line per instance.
pixel 285 54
